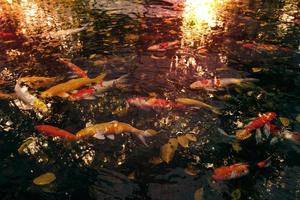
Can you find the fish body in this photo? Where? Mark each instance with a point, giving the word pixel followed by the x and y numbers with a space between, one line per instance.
pixel 77 70
pixel 62 33
pixel 36 82
pixel 218 84
pixel 5 96
pixel 91 91
pixel 236 170
pixel 153 103
pixel 259 122
pixel 197 103
pixel 23 94
pixel 62 89
pixel 292 136
pixel 7 34
pixel 163 46
pixel 112 128
pixel 52 131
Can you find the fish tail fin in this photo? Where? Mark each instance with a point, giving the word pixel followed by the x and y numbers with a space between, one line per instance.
pixel 232 138
pixel 147 133
pixel 264 163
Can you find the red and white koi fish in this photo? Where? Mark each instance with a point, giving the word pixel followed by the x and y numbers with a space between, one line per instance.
pixel 292 136
pixel 77 70
pixel 218 84
pixel 236 170
pixel 29 99
pixel 153 103
pixel 110 129
pixel 259 122
pixel 7 34
pixel 91 91
pixel 52 131
pixel 163 46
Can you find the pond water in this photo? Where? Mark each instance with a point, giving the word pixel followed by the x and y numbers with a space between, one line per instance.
pixel 207 40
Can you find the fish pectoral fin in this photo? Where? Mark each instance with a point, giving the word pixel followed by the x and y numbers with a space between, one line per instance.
pixel 63 95
pixel 99 136
pixel 112 137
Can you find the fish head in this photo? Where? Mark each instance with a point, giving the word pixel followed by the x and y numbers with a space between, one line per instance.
pixel 42 128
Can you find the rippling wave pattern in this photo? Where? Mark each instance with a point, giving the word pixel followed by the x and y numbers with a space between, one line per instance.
pixel 149 99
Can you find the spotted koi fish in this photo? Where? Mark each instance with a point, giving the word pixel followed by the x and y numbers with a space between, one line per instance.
pixel 236 170
pixel 153 103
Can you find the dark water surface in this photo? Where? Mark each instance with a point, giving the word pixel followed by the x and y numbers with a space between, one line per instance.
pixel 213 37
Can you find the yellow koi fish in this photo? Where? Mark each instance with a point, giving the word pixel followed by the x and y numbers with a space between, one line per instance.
pixel 62 89
pixel 36 82
pixel 193 102
pixel 109 129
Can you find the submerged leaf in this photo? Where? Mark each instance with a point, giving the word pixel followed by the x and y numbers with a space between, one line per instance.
pixel 298 118
pixel 257 69
pixel 191 170
pixel 198 195
pixel 236 147
pixel 44 179
pixel 183 141
pixel 26 143
pixel 167 151
pixel 236 194
pixel 284 121
pixel 155 160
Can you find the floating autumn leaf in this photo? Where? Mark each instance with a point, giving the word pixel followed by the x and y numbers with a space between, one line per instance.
pixel 44 179
pixel 24 146
pixel 257 69
pixel 236 194
pixel 191 137
pixel 191 170
pixel 167 151
pixel 236 147
pixel 198 195
pixel 155 160
pixel 284 121
pixel 183 141
pixel 131 38
pixel 298 118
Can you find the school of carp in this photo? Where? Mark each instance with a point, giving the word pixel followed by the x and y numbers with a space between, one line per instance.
pixel 86 88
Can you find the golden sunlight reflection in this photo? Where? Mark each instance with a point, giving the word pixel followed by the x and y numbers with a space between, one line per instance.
pixel 199 17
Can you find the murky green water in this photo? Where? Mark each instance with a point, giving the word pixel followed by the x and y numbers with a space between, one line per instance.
pixel 236 39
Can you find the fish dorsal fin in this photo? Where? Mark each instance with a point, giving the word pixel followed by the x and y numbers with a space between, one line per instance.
pixel 112 137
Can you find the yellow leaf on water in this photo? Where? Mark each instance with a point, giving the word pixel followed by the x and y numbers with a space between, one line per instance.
pixel 167 151
pixel 284 121
pixel 44 179
pixel 198 195
pixel 183 141
pixel 155 160
pixel 298 118
pixel 236 147
pixel 236 194
pixel 257 69
pixel 191 137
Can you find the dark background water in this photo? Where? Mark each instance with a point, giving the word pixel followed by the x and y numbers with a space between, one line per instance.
pixel 116 40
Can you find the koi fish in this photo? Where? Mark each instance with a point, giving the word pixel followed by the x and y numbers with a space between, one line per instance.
pixel 163 46
pixel 292 136
pixel 91 91
pixel 62 89
pixel 2 82
pixel 23 94
pixel 77 70
pixel 36 82
pixel 197 103
pixel 217 84
pixel 236 170
pixel 255 124
pixel 7 34
pixel 109 129
pixel 153 103
pixel 52 131
pixel 265 47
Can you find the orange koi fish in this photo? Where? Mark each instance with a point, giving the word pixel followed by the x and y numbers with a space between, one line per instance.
pixel 163 46
pixel 52 131
pixel 218 84
pixel 255 124
pixel 153 103
pixel 77 70
pixel 62 89
pixel 5 96
pixel 236 170
pixel 109 129
pixel 7 35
